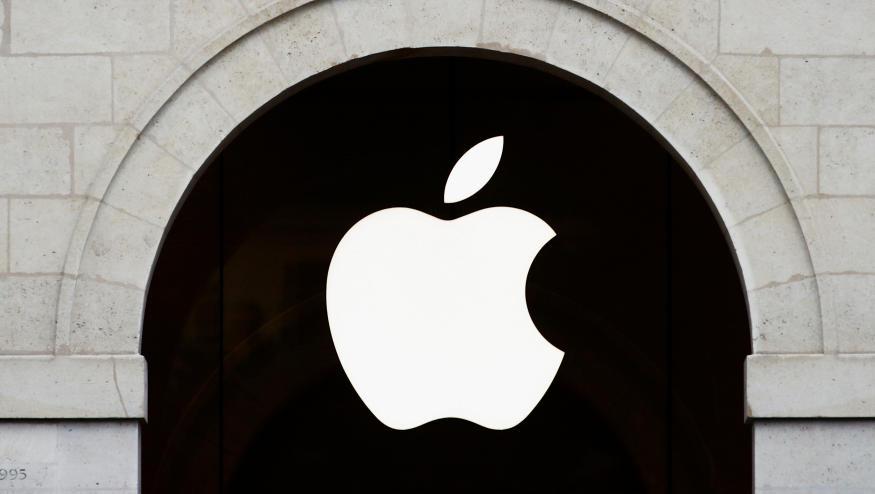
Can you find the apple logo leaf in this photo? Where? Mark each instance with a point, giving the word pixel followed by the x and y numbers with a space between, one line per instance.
pixel 473 170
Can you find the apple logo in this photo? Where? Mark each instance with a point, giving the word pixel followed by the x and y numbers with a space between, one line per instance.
pixel 429 317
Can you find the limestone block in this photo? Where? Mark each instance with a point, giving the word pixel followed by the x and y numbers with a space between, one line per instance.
pixel 844 234
pixel 789 386
pixel 4 235
pixel 810 27
pixel 111 451
pixel 121 248
pixel 647 78
pixel 848 308
pixel 700 126
pixel 34 160
pixel 106 318
pixel 519 26
pixel 847 161
pixel 756 77
pixel 88 26
pixel 445 23
pixel 134 78
pixel 149 183
pixel 369 26
pixel 28 442
pixel 741 182
pixel 639 5
pixel 39 233
pixel 695 23
pixel 94 386
pixel 113 154
pixel 585 42
pixel 27 314
pixel 244 77
pixel 827 91
pixel 799 145
pixel 191 125
pixel 2 24
pixel 771 249
pixel 72 456
pixel 814 457
pixel 786 318
pixel 196 22
pixel 306 41
pixel 55 89
pixel 90 146
pixel 256 5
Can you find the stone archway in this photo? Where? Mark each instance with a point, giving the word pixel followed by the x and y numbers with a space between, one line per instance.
pixel 670 85
pixel 337 151
pixel 155 159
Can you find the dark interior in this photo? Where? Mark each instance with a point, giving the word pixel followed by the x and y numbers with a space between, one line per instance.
pixel 638 288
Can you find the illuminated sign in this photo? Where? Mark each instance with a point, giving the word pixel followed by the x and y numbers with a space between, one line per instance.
pixel 429 317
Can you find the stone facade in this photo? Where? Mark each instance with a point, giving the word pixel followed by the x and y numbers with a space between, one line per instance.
pixel 110 107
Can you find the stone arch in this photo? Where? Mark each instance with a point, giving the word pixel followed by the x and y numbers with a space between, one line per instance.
pixel 667 83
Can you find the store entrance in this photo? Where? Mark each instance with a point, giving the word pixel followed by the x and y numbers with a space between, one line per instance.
pixel 638 288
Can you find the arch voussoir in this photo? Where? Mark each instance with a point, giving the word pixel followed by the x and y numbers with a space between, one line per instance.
pixel 236 74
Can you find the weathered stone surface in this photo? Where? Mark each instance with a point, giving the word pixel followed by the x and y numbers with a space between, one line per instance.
pixel 40 231
pixel 73 387
pixel 306 41
pixel 191 125
pixel 699 126
pixel 27 314
pixel 196 22
pixel 799 144
pixel 809 27
pixel 833 386
pixel 34 160
pixel 848 308
pixel 55 89
pixel 696 23
pixel 786 318
pixel 827 91
pixel 445 23
pixel 72 456
pixel 149 184
pixel 369 26
pixel 847 161
pixel 771 248
pixel 519 27
pixel 104 171
pixel 255 5
pixel 89 26
pixel 91 145
pixel 2 25
pixel 112 326
pixel 584 43
pixel 134 78
pixel 741 182
pixel 756 77
pixel 4 235
pixel 639 5
pixel 120 248
pixel 814 457
pixel 647 78
pixel 845 234
pixel 244 78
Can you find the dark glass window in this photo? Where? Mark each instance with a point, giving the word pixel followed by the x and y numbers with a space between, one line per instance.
pixel 638 288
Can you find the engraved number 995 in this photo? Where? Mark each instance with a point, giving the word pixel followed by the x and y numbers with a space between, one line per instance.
pixel 13 474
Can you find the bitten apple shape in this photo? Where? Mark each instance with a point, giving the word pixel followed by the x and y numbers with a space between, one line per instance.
pixel 429 317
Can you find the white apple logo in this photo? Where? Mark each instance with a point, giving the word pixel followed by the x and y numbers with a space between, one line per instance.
pixel 429 317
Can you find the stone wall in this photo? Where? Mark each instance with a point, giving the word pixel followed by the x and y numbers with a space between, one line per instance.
pixel 108 108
